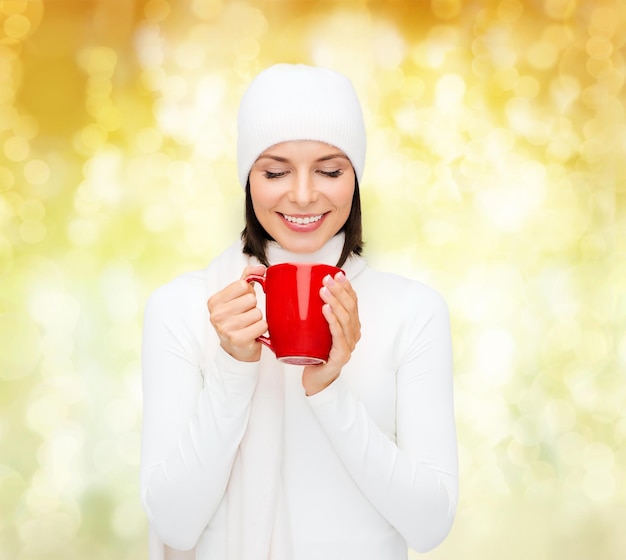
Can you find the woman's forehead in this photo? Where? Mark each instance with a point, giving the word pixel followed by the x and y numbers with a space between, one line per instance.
pixel 319 151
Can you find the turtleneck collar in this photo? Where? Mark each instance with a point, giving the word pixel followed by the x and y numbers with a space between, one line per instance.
pixel 328 254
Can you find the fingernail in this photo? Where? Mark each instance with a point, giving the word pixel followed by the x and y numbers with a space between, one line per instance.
pixel 340 277
pixel 328 280
pixel 325 292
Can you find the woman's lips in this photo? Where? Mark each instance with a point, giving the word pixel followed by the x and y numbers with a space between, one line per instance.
pixel 303 222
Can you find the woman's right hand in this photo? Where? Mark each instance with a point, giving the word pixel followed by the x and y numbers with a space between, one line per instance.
pixel 236 318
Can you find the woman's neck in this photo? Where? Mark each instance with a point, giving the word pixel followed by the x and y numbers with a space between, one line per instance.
pixel 329 253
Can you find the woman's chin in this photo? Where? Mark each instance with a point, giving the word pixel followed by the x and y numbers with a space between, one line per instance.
pixel 302 245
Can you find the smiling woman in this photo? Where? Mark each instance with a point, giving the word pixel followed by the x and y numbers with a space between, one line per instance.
pixel 257 459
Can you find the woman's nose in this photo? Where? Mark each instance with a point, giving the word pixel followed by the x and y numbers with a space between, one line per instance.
pixel 303 190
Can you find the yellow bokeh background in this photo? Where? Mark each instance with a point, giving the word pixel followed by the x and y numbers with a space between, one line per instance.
pixel 496 172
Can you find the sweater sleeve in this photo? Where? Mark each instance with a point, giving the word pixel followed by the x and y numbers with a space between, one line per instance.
pixel 411 481
pixel 193 421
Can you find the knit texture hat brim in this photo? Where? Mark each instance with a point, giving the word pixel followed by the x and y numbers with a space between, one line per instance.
pixel 298 102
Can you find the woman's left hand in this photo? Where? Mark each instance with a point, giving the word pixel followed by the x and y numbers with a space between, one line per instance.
pixel 341 311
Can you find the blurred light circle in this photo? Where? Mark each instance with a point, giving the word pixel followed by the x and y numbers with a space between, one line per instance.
pixel 129 445
pixel 206 9
pixel 565 90
pixel 13 7
pixel 604 21
pixel 559 9
pixel 598 457
pixel 449 91
pixel 560 415
pixel 54 311
pixel 6 251
pixel 542 55
pixel 597 67
pixel 599 47
pixel 445 9
pixel 156 10
pixel 21 356
pixel 48 532
pixel 17 26
pixel 82 232
pixel 598 486
pixel 149 140
pixel 7 179
pixel 98 61
pixel 127 520
pixel 26 127
pixel 32 210
pixel 570 448
pixel 527 431
pixel 527 87
pixel 37 172
pixel 16 148
pixel 389 47
pixel 494 356
pixel 593 347
pixel 149 48
pixel 510 10
pixel 158 217
pixel 33 232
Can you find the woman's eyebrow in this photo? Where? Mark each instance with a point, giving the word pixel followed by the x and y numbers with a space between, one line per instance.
pixel 286 160
pixel 333 156
pixel 275 158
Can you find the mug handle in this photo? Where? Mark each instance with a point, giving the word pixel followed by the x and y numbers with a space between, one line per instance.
pixel 260 280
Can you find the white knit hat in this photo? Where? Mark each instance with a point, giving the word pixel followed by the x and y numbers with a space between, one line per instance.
pixel 298 102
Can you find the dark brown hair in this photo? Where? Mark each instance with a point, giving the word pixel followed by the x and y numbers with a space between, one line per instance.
pixel 255 237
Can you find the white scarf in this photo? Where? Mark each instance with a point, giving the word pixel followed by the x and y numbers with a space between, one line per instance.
pixel 258 525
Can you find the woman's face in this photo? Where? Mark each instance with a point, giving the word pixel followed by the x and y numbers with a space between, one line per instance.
pixel 302 193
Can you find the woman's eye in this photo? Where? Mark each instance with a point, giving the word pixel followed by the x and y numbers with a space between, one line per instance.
pixel 274 175
pixel 335 173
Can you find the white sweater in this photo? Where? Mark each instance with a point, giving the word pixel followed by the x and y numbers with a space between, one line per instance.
pixel 357 471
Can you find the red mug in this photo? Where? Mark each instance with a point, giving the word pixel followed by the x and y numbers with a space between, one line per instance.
pixel 298 331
